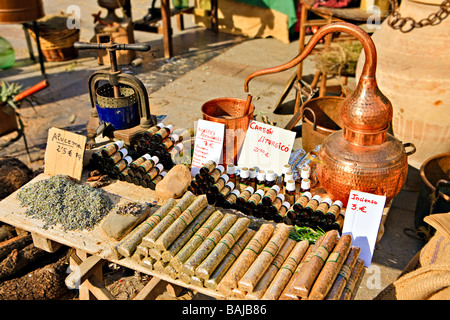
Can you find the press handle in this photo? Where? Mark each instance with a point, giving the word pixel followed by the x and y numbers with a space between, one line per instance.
pixel 116 46
pixel 409 144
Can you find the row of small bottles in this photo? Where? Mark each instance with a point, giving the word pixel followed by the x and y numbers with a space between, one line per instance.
pixel 264 195
pixel 115 161
pixel 161 141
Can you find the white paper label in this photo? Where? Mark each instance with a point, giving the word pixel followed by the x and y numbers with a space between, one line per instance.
pixel 362 221
pixel 208 143
pixel 266 147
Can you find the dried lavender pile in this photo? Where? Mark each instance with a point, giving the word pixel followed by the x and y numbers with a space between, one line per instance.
pixel 61 200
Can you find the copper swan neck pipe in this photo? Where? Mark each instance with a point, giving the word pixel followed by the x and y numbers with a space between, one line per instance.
pixel 370 64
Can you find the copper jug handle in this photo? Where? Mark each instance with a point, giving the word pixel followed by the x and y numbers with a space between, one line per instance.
pixel 370 63
pixel 313 114
pixel 409 144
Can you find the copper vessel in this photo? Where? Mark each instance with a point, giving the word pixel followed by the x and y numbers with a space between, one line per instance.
pixel 362 156
pixel 233 114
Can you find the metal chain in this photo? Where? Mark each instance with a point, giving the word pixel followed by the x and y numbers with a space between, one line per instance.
pixel 406 24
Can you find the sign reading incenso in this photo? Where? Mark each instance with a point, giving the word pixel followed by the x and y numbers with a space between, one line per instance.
pixel 64 153
pixel 266 147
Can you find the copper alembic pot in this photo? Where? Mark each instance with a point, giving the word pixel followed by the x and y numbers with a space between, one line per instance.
pixel 362 155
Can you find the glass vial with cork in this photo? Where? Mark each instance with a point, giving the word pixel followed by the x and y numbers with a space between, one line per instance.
pixel 162 133
pixel 254 200
pixel 111 148
pixel 270 180
pixel 244 178
pixel 149 133
pixel 290 192
pixel 231 172
pixel 260 180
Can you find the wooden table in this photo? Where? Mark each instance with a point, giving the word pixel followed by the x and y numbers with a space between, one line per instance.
pixel 93 248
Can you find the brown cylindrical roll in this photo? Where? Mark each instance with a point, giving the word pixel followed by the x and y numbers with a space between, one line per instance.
pixel 169 270
pixel 196 240
pixel 264 259
pixel 310 270
pixel 183 204
pixel 288 292
pixel 344 274
pixel 187 234
pixel 229 259
pixel 208 245
pixel 129 243
pixel 353 280
pixel 180 224
pixel 148 263
pixel 331 268
pixel 282 278
pixel 205 269
pixel 245 259
pixel 272 271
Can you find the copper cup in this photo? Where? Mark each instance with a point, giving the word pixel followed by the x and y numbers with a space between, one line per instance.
pixel 230 112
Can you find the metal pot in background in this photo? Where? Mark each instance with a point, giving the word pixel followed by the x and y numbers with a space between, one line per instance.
pixel 434 194
pixel 13 11
pixel 321 117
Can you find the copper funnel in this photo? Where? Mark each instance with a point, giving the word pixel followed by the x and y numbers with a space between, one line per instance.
pixel 362 156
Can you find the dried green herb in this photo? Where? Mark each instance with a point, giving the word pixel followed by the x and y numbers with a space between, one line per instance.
pixel 61 200
pixel 306 233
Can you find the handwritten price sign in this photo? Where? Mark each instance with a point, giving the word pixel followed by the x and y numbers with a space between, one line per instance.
pixel 208 143
pixel 362 220
pixel 266 147
pixel 64 153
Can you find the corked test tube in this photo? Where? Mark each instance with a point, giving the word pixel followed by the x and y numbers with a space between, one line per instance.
pixel 264 259
pixel 287 270
pixel 205 269
pixel 272 271
pixel 180 224
pixel 344 274
pixel 245 259
pixel 356 274
pixel 229 259
pixel 193 243
pixel 331 268
pixel 187 234
pixel 288 292
pixel 185 201
pixel 310 270
pixel 210 242
pixel 129 243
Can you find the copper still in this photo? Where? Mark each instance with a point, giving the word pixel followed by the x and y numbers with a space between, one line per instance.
pixel 362 155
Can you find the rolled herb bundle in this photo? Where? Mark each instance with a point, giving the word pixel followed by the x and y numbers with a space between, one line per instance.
pixel 196 240
pixel 286 271
pixel 263 261
pixel 205 269
pixel 187 234
pixel 314 264
pixel 344 274
pixel 183 204
pixel 331 268
pixel 129 243
pixel 229 259
pixel 208 245
pixel 272 271
pixel 245 259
